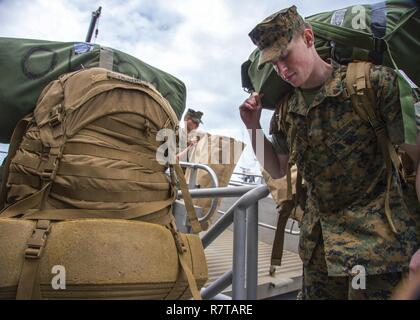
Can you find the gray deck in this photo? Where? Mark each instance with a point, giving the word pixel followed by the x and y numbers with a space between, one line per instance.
pixel 286 279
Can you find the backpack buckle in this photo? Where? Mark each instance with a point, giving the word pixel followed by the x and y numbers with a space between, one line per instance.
pixel 180 245
pixel 56 115
pixel 50 166
pixel 36 243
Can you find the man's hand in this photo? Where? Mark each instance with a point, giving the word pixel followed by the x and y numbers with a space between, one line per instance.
pixel 194 140
pixel 250 110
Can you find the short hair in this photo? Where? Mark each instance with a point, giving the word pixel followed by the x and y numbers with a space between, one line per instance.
pixel 302 28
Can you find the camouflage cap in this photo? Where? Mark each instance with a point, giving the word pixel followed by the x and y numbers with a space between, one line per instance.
pixel 195 115
pixel 274 33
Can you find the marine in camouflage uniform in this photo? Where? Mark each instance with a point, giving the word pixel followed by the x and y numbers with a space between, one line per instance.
pixel 338 155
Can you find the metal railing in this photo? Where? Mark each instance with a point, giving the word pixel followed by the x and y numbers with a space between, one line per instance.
pixel 244 216
pixel 192 184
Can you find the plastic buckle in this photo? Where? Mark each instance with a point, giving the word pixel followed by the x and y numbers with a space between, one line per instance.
pixel 48 174
pixel 50 169
pixel 180 245
pixel 36 242
pixel 56 115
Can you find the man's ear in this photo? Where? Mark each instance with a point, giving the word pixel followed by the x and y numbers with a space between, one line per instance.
pixel 308 37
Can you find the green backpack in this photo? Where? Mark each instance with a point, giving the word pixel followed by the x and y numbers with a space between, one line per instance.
pixel 27 66
pixel 388 39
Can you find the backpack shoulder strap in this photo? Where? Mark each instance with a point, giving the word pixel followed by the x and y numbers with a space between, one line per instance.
pixel 287 207
pixel 359 87
pixel 14 145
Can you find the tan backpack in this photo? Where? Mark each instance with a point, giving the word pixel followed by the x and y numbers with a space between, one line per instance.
pixel 86 160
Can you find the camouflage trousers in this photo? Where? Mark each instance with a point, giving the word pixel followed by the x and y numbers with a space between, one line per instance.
pixel 317 285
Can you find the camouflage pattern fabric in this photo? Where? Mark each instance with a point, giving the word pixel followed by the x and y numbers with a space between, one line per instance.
pixel 341 161
pixel 317 285
pixel 274 33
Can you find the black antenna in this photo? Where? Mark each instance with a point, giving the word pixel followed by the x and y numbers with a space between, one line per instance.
pixel 95 17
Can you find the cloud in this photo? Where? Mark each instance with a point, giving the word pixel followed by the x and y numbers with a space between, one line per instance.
pixel 203 42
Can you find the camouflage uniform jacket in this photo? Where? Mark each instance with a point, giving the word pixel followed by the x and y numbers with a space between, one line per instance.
pixel 342 164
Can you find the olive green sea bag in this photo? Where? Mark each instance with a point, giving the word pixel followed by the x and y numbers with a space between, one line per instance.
pixel 383 33
pixel 28 65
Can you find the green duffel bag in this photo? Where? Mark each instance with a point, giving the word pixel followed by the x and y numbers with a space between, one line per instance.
pixel 389 37
pixel 27 66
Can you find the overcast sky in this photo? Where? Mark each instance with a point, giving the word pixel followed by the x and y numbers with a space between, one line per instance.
pixel 202 42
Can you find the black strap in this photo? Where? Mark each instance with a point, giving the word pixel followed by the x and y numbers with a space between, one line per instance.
pixel 378 27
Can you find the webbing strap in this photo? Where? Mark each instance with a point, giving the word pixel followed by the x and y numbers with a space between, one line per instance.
pixel 27 207
pixel 80 148
pixel 181 244
pixel 143 209
pixel 29 286
pixel 114 141
pixel 25 179
pixel 21 206
pixel 14 145
pixel 91 194
pixel 122 137
pixel 142 130
pixel 190 277
pixel 34 146
pixel 68 169
pixel 192 216
pixel 363 100
pixel 285 209
pixel 116 154
pixel 290 163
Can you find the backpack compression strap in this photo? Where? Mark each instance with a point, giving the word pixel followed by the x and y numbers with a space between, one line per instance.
pixel 363 100
pixel 14 145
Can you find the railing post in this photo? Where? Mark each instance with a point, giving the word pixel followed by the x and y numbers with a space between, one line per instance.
pixel 252 252
pixel 192 183
pixel 239 251
pixel 218 286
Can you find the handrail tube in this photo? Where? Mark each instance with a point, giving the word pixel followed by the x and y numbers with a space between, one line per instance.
pixel 192 184
pixel 214 180
pixel 217 286
pixel 217 229
pixel 219 192
pixel 252 252
pixel 254 195
pixel 239 254
pixel 224 222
